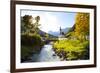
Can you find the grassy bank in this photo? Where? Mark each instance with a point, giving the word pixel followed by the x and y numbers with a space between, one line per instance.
pixel 72 49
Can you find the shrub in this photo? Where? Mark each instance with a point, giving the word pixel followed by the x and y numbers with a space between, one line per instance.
pixel 30 44
pixel 74 49
pixel 30 40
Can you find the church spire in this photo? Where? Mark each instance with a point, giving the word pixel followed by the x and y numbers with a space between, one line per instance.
pixel 60 30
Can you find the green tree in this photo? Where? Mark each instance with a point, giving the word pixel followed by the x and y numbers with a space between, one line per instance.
pixel 46 35
pixel 28 25
pixel 36 24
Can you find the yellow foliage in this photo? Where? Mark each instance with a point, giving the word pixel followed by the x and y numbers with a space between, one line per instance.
pixel 82 24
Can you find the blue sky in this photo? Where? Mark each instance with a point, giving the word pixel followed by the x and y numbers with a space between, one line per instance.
pixel 52 21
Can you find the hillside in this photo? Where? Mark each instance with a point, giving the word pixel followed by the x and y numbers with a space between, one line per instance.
pixel 43 34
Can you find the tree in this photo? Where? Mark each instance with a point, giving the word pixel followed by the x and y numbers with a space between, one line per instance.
pixel 36 24
pixel 82 25
pixel 46 35
pixel 28 25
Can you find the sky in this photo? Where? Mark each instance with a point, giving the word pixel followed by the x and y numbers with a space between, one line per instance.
pixel 52 21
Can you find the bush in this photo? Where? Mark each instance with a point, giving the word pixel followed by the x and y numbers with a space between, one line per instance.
pixel 30 44
pixel 74 49
pixel 30 40
pixel 25 53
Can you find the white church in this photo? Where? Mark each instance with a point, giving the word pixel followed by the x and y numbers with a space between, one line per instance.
pixel 61 36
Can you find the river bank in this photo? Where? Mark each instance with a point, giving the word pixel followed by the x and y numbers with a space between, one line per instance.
pixel 72 49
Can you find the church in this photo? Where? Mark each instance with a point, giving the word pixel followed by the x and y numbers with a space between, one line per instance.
pixel 62 35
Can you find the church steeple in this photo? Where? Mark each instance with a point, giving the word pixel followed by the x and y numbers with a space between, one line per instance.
pixel 62 35
pixel 60 31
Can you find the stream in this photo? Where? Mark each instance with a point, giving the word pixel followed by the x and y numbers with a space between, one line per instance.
pixel 46 54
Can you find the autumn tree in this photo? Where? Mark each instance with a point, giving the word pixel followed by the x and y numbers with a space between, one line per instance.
pixel 82 25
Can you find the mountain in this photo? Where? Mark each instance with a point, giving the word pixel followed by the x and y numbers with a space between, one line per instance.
pixel 54 33
pixel 42 33
pixel 65 30
pixel 71 29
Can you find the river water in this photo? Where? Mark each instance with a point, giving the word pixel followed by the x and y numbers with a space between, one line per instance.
pixel 46 54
